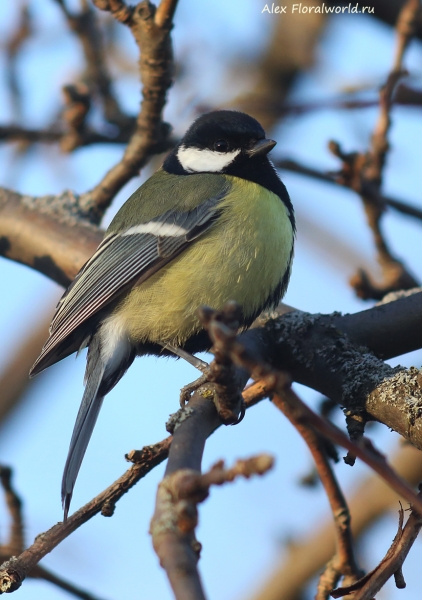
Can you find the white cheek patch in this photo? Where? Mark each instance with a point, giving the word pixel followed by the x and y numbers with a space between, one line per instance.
pixel 157 228
pixel 195 160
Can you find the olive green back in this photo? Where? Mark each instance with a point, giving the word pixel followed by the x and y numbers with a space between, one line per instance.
pixel 163 192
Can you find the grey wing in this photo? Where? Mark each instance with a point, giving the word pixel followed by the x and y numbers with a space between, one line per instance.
pixel 121 260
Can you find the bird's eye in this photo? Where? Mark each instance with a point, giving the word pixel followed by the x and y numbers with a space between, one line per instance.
pixel 221 146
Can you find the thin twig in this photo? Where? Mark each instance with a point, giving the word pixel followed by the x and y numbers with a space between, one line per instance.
pixel 401 206
pixel 369 501
pixel 13 47
pixel 365 451
pixel 391 564
pixel 14 571
pixel 86 27
pixel 42 573
pixel 87 137
pixel 15 542
pixel 156 70
pixel 343 563
pixel 364 172
pixel 403 96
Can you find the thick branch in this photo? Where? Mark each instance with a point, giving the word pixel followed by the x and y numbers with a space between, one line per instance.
pixel 311 347
pixel 46 234
pixel 175 516
pixel 34 232
pixel 226 341
pixel 318 354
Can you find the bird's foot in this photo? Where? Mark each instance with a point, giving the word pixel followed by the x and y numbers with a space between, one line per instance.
pixel 201 365
pixel 187 390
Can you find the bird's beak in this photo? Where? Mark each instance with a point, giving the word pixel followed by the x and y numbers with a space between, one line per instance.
pixel 260 148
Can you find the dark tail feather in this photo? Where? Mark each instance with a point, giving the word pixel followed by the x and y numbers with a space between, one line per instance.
pixel 85 422
pixel 103 371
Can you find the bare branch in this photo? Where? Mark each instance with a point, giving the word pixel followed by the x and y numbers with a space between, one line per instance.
pixel 365 171
pixel 225 341
pixel 119 10
pixel 187 448
pixel 401 206
pixel 176 517
pixel 86 136
pixel 370 500
pixel 14 571
pixel 15 542
pixel 46 233
pixel 41 239
pixel 165 13
pixel 156 70
pixel 343 564
pixel 84 24
pixel 317 355
pixel 390 565
pixel 43 573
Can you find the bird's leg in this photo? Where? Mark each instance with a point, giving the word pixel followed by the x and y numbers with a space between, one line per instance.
pixel 201 365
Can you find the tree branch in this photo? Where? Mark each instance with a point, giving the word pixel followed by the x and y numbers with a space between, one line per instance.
pixel 46 233
pixel 343 563
pixel 14 571
pixel 156 70
pixel 311 347
pixel 336 178
pixel 390 565
pixel 225 340
pixel 176 517
pixel 370 501
pixel 364 171
pixel 326 354
pixel 85 26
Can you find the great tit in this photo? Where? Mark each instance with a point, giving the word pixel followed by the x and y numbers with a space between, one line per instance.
pixel 213 224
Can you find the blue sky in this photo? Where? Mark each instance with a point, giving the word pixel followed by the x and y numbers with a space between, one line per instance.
pixel 242 525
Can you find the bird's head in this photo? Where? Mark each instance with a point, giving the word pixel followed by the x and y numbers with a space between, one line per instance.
pixel 220 140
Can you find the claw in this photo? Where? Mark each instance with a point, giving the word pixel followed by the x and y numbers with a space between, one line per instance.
pixel 187 390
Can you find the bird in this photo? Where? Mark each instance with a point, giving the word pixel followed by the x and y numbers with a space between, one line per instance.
pixel 214 224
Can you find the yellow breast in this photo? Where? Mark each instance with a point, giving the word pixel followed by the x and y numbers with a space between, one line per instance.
pixel 243 257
